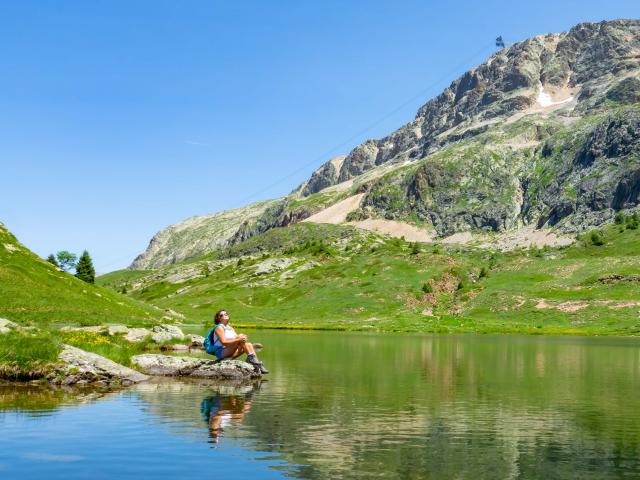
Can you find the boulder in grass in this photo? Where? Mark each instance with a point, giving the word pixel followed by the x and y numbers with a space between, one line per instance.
pixel 116 329
pixel 197 341
pixel 81 367
pixel 175 347
pixel 135 335
pixel 7 325
pixel 166 365
pixel 165 333
pixel 94 329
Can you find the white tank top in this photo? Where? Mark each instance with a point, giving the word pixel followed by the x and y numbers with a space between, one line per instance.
pixel 229 332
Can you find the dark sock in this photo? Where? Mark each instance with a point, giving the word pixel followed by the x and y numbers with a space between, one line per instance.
pixel 252 356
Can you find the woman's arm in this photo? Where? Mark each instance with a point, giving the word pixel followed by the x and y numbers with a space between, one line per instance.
pixel 227 343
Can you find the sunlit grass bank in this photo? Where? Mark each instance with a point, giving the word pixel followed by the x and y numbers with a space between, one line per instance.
pixel 34 292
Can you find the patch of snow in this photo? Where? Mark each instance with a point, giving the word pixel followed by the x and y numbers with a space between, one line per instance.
pixel 545 100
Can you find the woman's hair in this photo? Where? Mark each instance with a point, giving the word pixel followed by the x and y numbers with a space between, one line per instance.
pixel 218 315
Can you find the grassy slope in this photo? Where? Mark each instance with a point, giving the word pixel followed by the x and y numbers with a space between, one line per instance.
pixel 561 290
pixel 362 281
pixel 34 292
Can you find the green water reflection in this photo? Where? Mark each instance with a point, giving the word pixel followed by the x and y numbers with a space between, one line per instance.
pixel 356 405
pixel 457 406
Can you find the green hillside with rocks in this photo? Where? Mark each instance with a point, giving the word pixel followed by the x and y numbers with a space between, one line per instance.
pixel 338 277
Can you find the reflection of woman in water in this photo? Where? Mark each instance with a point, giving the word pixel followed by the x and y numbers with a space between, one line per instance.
pixel 220 411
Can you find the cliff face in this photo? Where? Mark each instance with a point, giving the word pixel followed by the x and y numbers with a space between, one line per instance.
pixel 545 133
pixel 195 236
pixel 505 84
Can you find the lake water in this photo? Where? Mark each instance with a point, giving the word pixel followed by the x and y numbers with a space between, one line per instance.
pixel 352 406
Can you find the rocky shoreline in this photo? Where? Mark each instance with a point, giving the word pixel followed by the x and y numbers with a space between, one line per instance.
pixel 83 368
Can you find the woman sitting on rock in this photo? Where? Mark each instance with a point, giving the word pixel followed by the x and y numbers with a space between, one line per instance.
pixel 223 342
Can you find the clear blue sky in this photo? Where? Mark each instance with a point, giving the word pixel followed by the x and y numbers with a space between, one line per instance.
pixel 122 117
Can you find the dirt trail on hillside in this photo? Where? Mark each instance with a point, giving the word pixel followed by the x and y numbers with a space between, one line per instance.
pixel 410 233
pixel 338 212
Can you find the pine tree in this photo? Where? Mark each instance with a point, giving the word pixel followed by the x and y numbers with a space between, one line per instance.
pixel 84 268
pixel 52 260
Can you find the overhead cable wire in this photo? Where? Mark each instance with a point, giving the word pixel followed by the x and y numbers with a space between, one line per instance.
pixel 323 156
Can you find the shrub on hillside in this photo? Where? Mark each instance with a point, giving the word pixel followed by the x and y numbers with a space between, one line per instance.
pixel 596 238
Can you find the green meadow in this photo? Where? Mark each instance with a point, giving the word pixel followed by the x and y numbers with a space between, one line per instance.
pixel 335 277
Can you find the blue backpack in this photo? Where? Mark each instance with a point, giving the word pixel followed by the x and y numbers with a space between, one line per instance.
pixel 208 342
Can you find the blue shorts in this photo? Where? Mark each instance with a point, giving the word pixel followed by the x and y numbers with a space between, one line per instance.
pixel 219 352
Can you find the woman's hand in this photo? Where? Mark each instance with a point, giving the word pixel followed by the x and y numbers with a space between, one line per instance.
pixel 242 338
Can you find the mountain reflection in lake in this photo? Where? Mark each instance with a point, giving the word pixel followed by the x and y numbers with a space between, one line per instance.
pixel 353 405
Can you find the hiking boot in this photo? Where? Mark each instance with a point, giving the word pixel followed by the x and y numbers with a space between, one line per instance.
pixel 253 360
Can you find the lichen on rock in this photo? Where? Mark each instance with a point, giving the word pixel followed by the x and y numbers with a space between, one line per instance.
pixel 166 333
pixel 81 367
pixel 166 365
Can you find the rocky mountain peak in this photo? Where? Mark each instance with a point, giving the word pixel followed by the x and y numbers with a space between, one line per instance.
pixel 510 81
pixel 543 134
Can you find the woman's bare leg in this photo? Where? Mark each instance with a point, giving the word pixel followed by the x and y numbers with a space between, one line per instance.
pixel 248 347
pixel 233 351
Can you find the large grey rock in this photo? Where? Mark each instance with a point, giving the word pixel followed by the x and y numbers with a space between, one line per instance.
pixel 117 329
pixel 273 265
pixel 135 335
pixel 323 177
pixel 81 367
pixel 92 329
pixel 175 347
pixel 155 364
pixel 7 325
pixel 165 333
pixel 197 341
